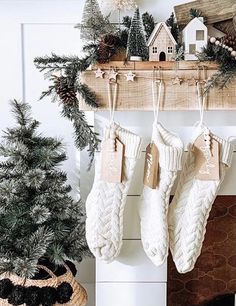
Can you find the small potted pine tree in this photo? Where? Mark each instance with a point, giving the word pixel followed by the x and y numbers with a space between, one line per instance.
pixel 41 226
pixel 137 46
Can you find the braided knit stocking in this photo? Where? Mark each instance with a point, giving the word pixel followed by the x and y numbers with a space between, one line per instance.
pixel 154 202
pixel 106 201
pixel 190 209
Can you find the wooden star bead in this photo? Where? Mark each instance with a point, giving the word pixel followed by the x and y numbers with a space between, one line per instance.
pixel 177 81
pixel 112 76
pixel 99 73
pixel 192 81
pixel 130 76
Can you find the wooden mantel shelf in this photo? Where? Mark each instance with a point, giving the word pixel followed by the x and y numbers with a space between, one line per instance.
pixel 180 65
pixel 137 95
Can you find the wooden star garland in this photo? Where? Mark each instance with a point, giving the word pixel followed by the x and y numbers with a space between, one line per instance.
pixel 130 76
pixel 112 76
pixel 99 73
pixel 177 81
pixel 192 81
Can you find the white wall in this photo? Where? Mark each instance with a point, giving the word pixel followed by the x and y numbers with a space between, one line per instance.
pixel 32 28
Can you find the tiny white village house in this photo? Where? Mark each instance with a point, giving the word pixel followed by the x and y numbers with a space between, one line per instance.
pixel 161 44
pixel 194 38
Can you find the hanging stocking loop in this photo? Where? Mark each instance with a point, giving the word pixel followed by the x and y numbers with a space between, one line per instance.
pixel 201 102
pixel 156 102
pixel 112 99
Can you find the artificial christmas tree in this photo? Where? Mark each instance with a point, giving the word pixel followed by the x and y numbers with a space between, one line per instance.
pixel 94 24
pixel 137 46
pixel 38 218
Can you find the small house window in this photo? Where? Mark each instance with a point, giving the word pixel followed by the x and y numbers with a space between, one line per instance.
pixel 154 50
pixel 170 50
pixel 192 48
pixel 199 35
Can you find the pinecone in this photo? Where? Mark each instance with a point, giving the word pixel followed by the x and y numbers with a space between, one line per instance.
pixel 65 90
pixel 108 47
pixel 229 41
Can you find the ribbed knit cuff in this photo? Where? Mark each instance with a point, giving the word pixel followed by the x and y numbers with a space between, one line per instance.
pixel 170 158
pixel 132 142
pixel 226 150
pixel 170 148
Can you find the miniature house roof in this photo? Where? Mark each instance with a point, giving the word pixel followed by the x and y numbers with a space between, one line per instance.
pixel 197 22
pixel 157 30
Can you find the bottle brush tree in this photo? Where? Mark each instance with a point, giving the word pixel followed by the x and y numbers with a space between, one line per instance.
pixel 94 24
pixel 38 217
pixel 137 45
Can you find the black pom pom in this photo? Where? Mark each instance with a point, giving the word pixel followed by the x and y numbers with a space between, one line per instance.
pixel 64 293
pixel 32 296
pixel 17 296
pixel 71 266
pixel 48 296
pixel 6 287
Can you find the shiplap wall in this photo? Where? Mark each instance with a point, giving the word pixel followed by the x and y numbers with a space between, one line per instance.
pixel 30 28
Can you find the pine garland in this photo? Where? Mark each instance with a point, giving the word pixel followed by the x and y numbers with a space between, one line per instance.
pixel 66 89
pixel 227 65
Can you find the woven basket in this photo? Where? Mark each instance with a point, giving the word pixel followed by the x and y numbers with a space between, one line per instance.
pixel 79 296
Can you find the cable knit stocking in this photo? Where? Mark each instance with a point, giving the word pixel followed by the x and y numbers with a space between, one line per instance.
pixel 191 206
pixel 154 202
pixel 106 201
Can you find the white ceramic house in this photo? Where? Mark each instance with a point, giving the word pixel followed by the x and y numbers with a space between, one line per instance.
pixel 161 44
pixel 194 37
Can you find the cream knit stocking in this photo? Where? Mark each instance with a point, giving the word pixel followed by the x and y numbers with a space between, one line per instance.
pixel 191 206
pixel 154 202
pixel 106 201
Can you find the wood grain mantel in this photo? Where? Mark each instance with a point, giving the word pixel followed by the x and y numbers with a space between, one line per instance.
pixel 137 95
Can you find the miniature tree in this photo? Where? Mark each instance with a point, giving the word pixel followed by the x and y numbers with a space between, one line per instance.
pixel 94 24
pixel 172 24
pixel 148 23
pixel 137 45
pixel 38 218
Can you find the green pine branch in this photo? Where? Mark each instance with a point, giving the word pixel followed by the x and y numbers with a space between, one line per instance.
pixel 227 66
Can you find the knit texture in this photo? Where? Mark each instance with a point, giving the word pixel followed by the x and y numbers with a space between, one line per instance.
pixel 154 202
pixel 191 206
pixel 106 201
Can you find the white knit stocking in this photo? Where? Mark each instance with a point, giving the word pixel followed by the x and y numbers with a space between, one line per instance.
pixel 106 201
pixel 154 202
pixel 190 208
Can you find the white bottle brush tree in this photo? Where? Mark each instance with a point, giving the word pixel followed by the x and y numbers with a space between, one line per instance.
pixel 137 46
pixel 94 24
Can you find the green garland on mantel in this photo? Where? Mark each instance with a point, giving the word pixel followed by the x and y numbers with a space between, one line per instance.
pixel 227 65
pixel 66 88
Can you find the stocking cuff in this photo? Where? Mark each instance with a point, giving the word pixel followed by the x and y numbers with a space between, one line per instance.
pixel 170 148
pixel 132 142
pixel 170 158
pixel 226 151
